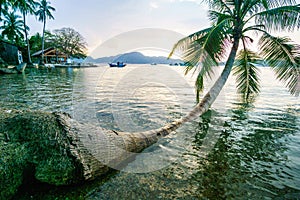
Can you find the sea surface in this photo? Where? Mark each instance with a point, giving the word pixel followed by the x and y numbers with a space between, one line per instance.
pixel 234 151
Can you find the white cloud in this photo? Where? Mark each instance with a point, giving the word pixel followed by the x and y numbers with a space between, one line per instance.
pixel 153 5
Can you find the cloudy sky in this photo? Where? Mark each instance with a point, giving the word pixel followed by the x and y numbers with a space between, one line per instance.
pixel 100 20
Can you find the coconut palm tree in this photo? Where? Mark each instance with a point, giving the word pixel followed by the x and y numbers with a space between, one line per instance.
pixel 43 13
pixel 25 7
pixel 233 21
pixel 12 27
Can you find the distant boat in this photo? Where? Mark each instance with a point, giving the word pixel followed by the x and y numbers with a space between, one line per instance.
pixel 118 64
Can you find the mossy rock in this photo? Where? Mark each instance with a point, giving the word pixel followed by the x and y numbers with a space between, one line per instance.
pixel 34 142
pixel 13 161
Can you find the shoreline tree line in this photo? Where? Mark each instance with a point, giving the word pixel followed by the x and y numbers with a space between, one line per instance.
pixel 14 29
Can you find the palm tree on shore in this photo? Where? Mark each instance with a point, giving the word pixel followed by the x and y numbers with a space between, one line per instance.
pixel 25 7
pixel 43 13
pixel 4 4
pixel 232 23
pixel 12 27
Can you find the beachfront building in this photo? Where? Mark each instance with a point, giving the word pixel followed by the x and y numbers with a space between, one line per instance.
pixel 51 55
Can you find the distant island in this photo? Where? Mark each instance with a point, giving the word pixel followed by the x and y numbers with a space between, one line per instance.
pixel 134 58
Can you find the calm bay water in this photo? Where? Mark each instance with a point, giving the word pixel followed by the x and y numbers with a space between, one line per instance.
pixel 234 151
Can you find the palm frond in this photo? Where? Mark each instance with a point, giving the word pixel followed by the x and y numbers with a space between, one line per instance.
pixel 217 17
pixel 284 57
pixel 257 28
pixel 285 18
pixel 250 7
pixel 254 6
pixel 246 74
pixel 193 50
pixel 206 48
pixel 221 5
pixel 268 4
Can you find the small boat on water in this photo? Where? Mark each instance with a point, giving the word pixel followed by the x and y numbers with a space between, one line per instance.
pixel 118 64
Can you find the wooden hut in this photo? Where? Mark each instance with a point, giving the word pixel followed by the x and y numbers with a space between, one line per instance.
pixel 51 55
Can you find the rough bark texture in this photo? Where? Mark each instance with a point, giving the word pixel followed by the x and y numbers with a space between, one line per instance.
pixel 53 148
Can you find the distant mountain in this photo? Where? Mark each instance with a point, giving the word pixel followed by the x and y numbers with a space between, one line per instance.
pixel 134 58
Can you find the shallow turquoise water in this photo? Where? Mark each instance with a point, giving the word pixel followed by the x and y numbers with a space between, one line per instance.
pixel 234 151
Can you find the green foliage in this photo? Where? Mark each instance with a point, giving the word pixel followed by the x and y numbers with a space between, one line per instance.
pixel 24 6
pixel 70 42
pixel 284 57
pixel 35 42
pixel 231 22
pixel 44 11
pixel 13 28
pixel 284 18
pixel 246 72
pixel 4 5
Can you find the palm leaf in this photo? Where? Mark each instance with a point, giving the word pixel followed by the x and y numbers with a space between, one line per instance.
pixel 246 74
pixel 249 6
pixel 254 6
pixel 217 17
pixel 285 18
pixel 284 57
pixel 267 4
pixel 221 5
pixel 206 47
pixel 184 42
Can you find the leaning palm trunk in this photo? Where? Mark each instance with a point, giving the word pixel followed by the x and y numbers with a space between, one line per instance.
pixel 61 151
pixel 208 99
pixel 26 37
pixel 58 150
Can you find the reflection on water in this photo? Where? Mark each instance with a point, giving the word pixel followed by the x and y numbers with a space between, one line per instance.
pixel 234 151
pixel 40 89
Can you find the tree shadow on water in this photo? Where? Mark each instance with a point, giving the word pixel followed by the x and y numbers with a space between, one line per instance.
pixel 250 158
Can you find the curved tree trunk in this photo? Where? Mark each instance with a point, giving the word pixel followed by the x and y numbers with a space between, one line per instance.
pixel 58 150
pixel 55 149
pixel 26 38
pixel 208 99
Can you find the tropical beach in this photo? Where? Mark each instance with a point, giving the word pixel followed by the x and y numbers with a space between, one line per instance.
pixel 213 118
